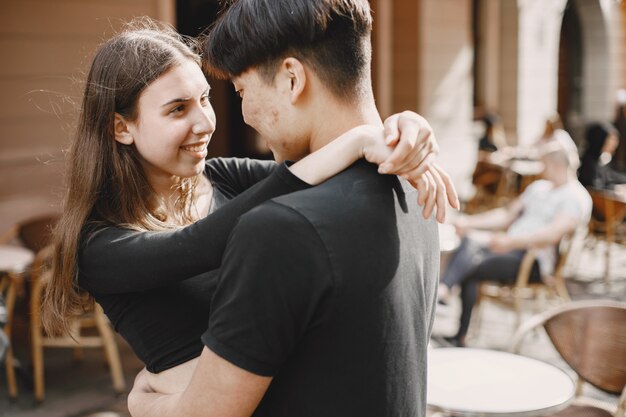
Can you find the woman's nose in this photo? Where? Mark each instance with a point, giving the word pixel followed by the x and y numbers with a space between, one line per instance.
pixel 205 123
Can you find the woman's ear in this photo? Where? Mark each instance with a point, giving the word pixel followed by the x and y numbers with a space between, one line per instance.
pixel 297 76
pixel 122 132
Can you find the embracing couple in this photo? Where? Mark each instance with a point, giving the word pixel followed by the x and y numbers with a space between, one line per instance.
pixel 302 288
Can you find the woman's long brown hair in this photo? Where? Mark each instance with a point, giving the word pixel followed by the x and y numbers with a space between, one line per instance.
pixel 106 185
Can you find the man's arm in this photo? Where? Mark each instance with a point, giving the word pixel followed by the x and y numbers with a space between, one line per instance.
pixel 550 235
pixel 218 388
pixel 496 219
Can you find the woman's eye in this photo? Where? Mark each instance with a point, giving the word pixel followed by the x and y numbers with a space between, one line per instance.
pixel 178 109
pixel 204 100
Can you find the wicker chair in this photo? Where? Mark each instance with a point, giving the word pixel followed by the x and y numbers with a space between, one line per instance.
pixel 606 224
pixel 76 340
pixel 591 337
pixel 33 234
pixel 514 295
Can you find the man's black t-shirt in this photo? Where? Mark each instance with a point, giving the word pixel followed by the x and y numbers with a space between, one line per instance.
pixel 331 291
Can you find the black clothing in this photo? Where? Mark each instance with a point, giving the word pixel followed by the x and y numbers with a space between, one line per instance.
pixel 474 263
pixel 592 174
pixel 485 144
pixel 331 291
pixel 156 287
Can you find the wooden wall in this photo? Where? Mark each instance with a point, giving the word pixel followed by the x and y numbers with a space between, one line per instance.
pixel 46 47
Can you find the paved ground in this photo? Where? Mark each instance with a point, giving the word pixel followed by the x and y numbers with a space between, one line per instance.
pixel 84 389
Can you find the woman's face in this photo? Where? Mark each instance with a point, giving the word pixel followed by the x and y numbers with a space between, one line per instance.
pixel 174 124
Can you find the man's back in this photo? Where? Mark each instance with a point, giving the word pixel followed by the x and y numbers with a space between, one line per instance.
pixel 331 291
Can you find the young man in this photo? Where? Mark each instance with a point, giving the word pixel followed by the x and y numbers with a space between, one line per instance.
pixel 326 296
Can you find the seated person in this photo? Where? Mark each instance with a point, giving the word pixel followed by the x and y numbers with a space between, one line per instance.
pixel 548 210
pixel 493 139
pixel 602 140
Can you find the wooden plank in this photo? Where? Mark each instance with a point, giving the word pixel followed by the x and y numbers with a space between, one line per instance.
pixel 70 18
pixel 38 178
pixel 42 56
pixel 32 97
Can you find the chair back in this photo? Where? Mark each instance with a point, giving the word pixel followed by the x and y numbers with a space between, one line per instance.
pixel 36 233
pixel 607 206
pixel 591 338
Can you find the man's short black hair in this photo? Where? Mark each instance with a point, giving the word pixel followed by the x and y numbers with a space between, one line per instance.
pixel 331 36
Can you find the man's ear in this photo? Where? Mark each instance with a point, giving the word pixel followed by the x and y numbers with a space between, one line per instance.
pixel 297 76
pixel 122 132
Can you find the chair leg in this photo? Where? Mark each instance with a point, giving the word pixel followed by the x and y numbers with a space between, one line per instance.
pixel 517 303
pixel 78 354
pixel 607 267
pixel 477 316
pixel 10 360
pixel 38 369
pixel 111 351
pixel 37 343
pixel 11 380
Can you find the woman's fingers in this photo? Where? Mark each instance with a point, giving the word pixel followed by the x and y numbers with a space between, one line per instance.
pixel 430 195
pixel 392 135
pixel 440 195
pixel 413 138
pixel 418 168
pixel 452 195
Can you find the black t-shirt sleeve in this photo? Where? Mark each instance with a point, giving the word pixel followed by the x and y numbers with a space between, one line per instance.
pixel 275 284
pixel 118 260
pixel 235 175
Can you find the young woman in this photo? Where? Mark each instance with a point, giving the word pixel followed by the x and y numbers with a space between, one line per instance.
pixel 146 217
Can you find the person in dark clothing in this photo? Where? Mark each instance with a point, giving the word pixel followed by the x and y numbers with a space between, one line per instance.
pixel 146 218
pixel 493 138
pixel 601 141
pixel 326 296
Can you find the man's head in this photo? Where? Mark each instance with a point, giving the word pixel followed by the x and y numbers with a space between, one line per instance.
pixel 557 161
pixel 280 53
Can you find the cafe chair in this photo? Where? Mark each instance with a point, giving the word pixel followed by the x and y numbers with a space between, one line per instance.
pixel 8 293
pixel 94 318
pixel 590 336
pixel 515 295
pixel 32 234
pixel 492 185
pixel 606 225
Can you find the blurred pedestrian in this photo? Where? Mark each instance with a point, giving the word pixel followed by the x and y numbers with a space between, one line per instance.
pixel 601 142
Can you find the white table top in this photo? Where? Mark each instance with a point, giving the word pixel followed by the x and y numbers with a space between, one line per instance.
pixel 15 258
pixel 477 382
pixel 448 239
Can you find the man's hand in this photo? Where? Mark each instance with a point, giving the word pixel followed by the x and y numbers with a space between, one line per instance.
pixel 461 225
pixel 501 243
pixel 414 149
pixel 217 389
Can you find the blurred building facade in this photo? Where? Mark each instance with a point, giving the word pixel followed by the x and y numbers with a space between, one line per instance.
pixel 446 59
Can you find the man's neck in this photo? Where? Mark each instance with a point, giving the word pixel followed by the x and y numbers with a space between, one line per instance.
pixel 339 117
pixel 562 178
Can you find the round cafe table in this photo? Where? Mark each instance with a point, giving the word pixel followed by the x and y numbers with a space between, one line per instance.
pixel 15 259
pixel 449 241
pixel 477 382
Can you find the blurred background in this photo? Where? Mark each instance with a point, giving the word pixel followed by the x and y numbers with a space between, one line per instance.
pixel 450 60
pixel 463 64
